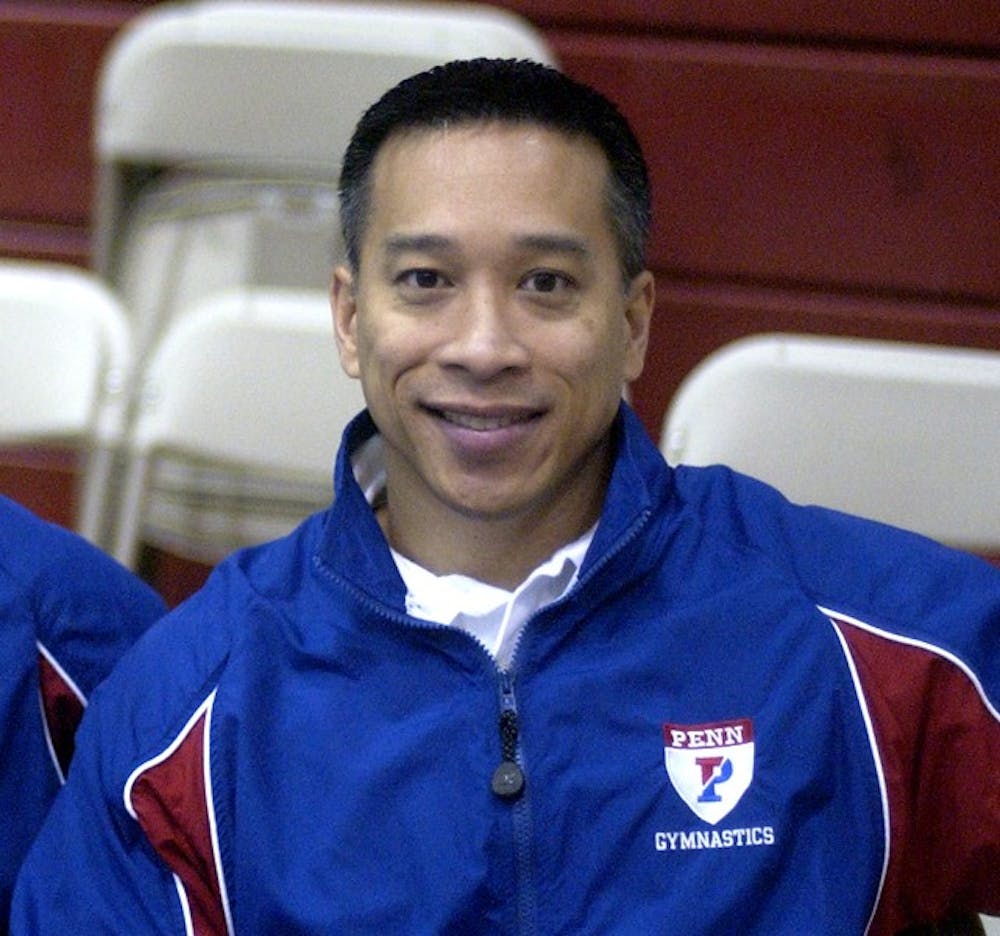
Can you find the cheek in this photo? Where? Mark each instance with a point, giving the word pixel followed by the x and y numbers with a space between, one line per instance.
pixel 594 383
pixel 596 353
pixel 387 355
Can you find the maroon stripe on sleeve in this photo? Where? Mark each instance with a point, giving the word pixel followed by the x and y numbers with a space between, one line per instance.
pixel 62 708
pixel 939 743
pixel 169 798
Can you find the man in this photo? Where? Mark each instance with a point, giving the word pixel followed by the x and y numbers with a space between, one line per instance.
pixel 522 677
pixel 67 613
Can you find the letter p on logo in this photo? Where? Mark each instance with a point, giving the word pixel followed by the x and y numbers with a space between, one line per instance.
pixel 714 770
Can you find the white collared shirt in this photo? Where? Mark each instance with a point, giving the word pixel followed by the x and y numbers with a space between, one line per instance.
pixel 494 616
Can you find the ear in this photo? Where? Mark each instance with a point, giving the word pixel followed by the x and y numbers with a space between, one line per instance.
pixel 638 312
pixel 345 315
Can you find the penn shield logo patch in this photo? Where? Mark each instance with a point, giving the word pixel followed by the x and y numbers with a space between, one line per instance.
pixel 710 765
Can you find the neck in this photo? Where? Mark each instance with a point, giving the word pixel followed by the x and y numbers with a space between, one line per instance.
pixel 500 551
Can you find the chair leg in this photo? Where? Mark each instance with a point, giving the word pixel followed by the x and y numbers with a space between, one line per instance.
pixel 130 516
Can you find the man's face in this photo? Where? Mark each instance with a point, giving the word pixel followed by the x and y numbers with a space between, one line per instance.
pixel 489 324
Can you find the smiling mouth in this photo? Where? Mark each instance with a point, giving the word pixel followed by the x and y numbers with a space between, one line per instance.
pixel 479 423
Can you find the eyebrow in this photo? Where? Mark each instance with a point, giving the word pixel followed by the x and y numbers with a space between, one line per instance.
pixel 436 243
pixel 554 243
pixel 418 243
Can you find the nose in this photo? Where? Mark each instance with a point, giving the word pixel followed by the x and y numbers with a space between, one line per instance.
pixel 485 337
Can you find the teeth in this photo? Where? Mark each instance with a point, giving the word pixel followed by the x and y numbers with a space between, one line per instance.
pixel 480 423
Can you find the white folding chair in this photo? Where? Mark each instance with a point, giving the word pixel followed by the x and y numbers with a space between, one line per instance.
pixel 903 433
pixel 247 381
pixel 66 355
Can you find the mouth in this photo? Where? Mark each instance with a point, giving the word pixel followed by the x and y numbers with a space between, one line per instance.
pixel 486 421
pixel 483 423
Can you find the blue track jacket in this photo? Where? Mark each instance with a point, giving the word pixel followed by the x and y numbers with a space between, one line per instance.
pixel 746 717
pixel 67 613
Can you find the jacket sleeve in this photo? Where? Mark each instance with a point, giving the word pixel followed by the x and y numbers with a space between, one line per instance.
pixel 68 614
pixel 91 870
pixel 937 739
pixel 88 609
pixel 93 867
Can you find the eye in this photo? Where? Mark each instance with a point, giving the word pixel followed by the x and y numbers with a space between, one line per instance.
pixel 422 278
pixel 546 281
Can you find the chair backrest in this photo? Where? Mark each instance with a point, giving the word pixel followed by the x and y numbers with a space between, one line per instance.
pixel 265 89
pixel 242 407
pixel 67 352
pixel 65 345
pixel 265 83
pixel 903 433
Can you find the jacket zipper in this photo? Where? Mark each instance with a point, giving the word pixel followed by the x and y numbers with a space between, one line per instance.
pixel 510 774
pixel 512 784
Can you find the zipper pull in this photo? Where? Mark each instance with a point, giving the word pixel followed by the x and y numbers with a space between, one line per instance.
pixel 508 778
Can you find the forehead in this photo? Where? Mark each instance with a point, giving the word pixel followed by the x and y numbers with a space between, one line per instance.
pixel 475 134
pixel 486 173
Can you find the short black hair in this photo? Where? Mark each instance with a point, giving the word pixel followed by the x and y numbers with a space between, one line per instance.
pixel 505 91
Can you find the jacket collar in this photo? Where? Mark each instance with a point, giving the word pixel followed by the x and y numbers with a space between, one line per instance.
pixel 353 548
